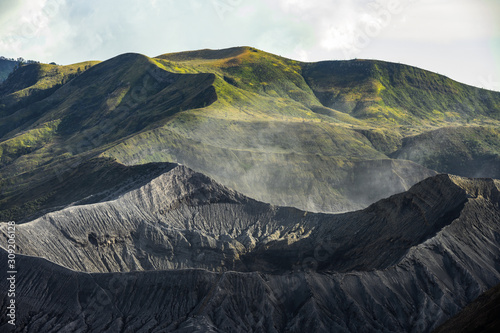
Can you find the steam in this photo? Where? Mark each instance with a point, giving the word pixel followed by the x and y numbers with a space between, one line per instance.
pixel 286 163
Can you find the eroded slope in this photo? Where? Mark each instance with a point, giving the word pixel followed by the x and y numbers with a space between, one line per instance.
pixel 406 263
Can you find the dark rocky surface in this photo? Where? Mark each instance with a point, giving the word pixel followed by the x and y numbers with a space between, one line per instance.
pixel 182 253
pixel 482 315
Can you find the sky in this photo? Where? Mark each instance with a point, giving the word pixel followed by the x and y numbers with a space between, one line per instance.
pixel 456 38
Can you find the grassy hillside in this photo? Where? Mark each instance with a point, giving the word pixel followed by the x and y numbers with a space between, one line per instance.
pixel 399 94
pixel 33 82
pixel 107 102
pixel 278 130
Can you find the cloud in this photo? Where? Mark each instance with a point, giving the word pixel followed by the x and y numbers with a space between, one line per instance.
pixel 28 27
pixel 77 30
pixel 8 8
pixel 445 21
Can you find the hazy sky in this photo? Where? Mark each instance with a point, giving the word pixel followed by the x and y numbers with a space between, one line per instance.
pixel 457 38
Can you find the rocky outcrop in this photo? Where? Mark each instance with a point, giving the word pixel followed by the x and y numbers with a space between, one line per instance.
pixel 180 219
pixel 185 254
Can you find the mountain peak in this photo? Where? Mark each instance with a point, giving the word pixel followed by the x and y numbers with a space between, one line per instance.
pixel 206 54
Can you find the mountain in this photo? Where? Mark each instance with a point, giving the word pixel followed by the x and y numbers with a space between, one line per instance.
pixel 175 251
pixel 326 137
pixel 67 232
pixel 236 190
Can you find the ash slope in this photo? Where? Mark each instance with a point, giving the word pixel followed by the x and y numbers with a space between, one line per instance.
pixel 183 219
pixel 406 263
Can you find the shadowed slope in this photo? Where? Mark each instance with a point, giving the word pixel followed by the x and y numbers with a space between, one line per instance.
pixel 78 121
pixel 467 151
pixel 479 316
pixel 91 181
pixel 6 67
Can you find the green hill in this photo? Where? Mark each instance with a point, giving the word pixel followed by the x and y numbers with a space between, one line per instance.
pixel 378 91
pixel 318 136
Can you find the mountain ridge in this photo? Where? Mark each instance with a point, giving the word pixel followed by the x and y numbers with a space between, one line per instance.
pixel 165 197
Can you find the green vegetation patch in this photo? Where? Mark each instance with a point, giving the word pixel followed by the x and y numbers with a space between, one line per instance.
pixel 27 142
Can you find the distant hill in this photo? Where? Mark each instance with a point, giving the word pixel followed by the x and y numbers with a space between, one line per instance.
pixel 6 67
pixel 329 136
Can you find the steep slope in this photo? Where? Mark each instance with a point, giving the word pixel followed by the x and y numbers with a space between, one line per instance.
pixel 407 263
pixel 121 84
pixel 33 82
pixel 182 219
pixel 105 103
